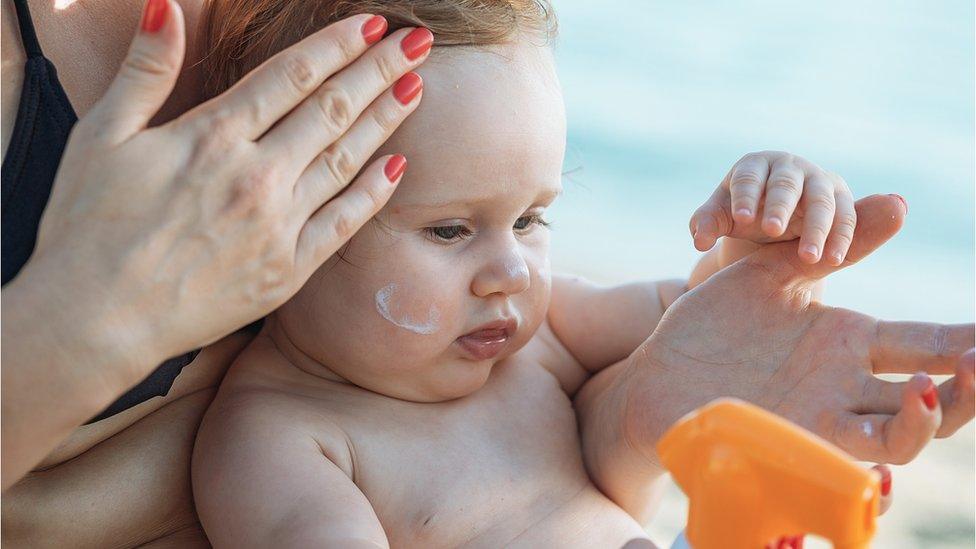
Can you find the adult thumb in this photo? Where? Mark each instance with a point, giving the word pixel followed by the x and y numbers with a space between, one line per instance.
pixel 879 217
pixel 147 75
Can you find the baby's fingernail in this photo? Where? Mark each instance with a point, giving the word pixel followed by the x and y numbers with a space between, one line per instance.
pixel 775 223
pixel 838 258
pixel 930 396
pixel 811 250
pixel 744 212
pixel 904 203
pixel 885 480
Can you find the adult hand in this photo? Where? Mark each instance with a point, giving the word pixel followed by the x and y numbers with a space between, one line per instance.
pixel 159 240
pixel 189 230
pixel 752 331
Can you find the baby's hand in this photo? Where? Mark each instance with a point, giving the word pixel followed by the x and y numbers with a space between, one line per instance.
pixel 797 198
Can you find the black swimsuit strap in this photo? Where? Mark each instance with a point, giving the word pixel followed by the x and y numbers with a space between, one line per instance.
pixel 27 34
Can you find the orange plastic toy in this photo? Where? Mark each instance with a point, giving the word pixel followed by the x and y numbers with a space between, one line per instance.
pixel 752 477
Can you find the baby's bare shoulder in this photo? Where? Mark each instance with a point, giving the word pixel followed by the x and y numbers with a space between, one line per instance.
pixel 258 406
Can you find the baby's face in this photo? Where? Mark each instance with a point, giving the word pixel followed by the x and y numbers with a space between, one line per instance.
pixel 453 275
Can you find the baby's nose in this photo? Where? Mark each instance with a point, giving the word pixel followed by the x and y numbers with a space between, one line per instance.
pixel 507 274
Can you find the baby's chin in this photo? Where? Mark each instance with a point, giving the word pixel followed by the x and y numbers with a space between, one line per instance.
pixel 453 379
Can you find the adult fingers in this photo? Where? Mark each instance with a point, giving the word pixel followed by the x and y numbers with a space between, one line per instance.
pixel 326 115
pixel 893 438
pixel 712 219
pixel 339 163
pixel 147 75
pixel 783 191
pixel 335 222
pixel 958 397
pixel 746 184
pixel 842 230
pixel 818 205
pixel 879 218
pixel 887 496
pixel 908 347
pixel 256 102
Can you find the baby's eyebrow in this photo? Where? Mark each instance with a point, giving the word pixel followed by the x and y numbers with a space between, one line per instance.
pixel 545 196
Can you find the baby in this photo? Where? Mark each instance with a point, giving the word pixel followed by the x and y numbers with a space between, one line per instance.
pixel 418 391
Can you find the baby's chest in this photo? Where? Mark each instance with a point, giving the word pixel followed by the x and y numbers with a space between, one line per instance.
pixel 477 468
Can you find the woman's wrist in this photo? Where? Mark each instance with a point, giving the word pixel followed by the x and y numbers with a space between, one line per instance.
pixel 94 342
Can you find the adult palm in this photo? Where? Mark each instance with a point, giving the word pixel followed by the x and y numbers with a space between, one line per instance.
pixel 754 331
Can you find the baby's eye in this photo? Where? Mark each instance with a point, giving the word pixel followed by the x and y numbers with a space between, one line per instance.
pixel 448 233
pixel 525 221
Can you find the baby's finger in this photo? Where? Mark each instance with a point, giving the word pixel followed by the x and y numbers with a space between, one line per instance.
pixel 746 184
pixel 711 220
pixel 958 397
pixel 783 191
pixel 818 206
pixel 895 439
pixel 842 231
pixel 335 222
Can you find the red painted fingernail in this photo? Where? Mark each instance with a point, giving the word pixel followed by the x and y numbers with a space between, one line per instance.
pixel 904 203
pixel 374 29
pixel 885 480
pixel 394 167
pixel 417 43
pixel 798 542
pixel 930 396
pixel 154 15
pixel 407 87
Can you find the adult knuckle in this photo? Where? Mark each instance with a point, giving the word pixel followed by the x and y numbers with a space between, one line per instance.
pixel 339 162
pixel 142 62
pixel 346 48
pixel 299 72
pixel 343 226
pixel 386 67
pixel 252 191
pixel 386 120
pixel 374 198
pixel 335 106
pixel 940 341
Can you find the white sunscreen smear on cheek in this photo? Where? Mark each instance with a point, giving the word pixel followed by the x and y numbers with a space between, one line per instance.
pixel 384 297
pixel 866 428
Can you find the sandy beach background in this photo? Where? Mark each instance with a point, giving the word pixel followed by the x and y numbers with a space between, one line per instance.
pixel 663 97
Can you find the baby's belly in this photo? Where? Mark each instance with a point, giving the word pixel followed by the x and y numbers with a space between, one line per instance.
pixel 588 520
pixel 583 518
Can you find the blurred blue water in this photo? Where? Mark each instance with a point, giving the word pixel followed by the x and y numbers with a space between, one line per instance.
pixel 663 97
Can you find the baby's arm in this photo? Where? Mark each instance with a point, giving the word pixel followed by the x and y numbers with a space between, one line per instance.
pixel 262 480
pixel 600 326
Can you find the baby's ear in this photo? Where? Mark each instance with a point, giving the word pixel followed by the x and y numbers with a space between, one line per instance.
pixel 879 217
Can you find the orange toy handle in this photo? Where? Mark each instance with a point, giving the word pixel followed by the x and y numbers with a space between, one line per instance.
pixel 752 477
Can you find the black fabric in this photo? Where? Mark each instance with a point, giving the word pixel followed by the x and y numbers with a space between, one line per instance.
pixel 44 120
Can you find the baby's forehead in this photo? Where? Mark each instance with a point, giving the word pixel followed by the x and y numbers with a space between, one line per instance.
pixel 491 122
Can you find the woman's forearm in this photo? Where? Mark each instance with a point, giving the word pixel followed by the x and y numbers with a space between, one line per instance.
pixel 62 364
